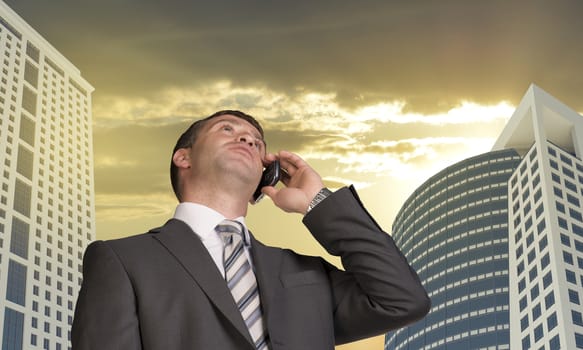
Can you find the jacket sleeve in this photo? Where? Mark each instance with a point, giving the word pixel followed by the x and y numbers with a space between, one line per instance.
pixel 105 314
pixel 378 291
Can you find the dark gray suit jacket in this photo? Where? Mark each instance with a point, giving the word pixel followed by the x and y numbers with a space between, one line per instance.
pixel 162 291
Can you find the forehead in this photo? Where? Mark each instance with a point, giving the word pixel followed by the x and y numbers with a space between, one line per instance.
pixel 233 120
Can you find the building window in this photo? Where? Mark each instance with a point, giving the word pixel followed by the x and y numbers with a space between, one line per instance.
pixel 572 200
pixel 538 332
pixel 29 100
pixel 536 312
pixel 568 257
pixel 541 226
pixel 524 323
pixel 19 238
pixel 566 160
pixel 577 318
pixel 579 340
pixel 519 252
pixel 565 240
pixel 537 195
pixel 570 275
pixel 578 230
pixel 31 74
pixel 563 223
pixel 24 162
pixel 549 300
pixel 523 302
pixel 529 239
pixel 16 285
pixel 575 215
pixel 532 274
pixel 569 173
pixel 545 261
pixel 22 198
pixel 32 51
pixel 531 256
pixel 571 186
pixel 573 297
pixel 552 152
pixel 13 329
pixel 526 342
pixel 520 268
pixel 555 343
pixel 552 321
pixel 27 129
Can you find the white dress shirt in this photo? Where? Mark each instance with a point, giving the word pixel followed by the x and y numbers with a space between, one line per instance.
pixel 203 220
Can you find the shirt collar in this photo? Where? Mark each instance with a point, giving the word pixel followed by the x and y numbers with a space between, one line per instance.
pixel 203 220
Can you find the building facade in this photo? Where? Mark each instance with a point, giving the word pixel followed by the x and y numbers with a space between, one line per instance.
pixel 47 214
pixel 454 232
pixel 501 252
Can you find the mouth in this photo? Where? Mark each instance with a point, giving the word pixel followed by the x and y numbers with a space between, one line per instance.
pixel 243 149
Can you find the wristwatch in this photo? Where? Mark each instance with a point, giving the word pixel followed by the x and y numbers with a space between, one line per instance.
pixel 320 196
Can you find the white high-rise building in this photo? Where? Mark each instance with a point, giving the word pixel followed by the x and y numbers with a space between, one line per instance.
pixel 545 224
pixel 46 187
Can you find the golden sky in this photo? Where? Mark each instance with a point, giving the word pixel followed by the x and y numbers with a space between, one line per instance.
pixel 379 94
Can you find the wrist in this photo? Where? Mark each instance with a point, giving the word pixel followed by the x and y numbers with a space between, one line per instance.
pixel 319 197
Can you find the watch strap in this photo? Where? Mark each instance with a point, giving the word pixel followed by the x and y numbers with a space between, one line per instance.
pixel 320 196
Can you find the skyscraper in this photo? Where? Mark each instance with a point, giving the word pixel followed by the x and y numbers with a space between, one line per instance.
pixel 545 224
pixel 46 197
pixel 454 231
pixel 497 239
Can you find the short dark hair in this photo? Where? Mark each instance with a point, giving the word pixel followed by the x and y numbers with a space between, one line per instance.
pixel 187 139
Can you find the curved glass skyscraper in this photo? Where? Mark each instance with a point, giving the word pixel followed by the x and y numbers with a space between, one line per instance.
pixel 454 232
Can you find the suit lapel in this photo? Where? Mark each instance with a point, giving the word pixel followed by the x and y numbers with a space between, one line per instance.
pixel 187 248
pixel 267 263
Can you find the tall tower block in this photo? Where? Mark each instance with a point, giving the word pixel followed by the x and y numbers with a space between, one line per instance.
pixel 47 199
pixel 545 223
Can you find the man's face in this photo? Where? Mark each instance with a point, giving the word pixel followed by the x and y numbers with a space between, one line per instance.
pixel 228 145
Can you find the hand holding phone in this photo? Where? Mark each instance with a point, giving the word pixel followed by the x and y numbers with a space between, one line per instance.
pixel 270 177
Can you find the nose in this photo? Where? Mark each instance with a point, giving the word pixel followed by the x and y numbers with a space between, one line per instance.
pixel 246 139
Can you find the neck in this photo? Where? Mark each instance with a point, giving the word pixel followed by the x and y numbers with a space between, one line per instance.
pixel 231 203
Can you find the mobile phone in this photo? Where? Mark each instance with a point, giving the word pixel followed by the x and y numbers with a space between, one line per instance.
pixel 270 177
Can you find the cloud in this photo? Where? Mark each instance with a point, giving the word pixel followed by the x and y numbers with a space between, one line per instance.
pixel 429 55
pixel 133 138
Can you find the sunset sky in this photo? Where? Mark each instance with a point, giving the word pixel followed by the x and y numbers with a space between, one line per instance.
pixel 379 94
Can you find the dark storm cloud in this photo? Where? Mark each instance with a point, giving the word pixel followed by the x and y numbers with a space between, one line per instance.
pixel 430 54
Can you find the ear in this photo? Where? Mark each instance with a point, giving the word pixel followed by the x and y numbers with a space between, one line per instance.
pixel 181 158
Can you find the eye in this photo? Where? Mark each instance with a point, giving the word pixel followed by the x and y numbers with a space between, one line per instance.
pixel 226 127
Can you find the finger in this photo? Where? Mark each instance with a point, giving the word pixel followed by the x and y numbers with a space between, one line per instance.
pixel 285 177
pixel 269 158
pixel 290 162
pixel 269 191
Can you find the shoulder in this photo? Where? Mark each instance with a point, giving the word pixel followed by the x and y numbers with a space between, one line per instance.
pixel 137 241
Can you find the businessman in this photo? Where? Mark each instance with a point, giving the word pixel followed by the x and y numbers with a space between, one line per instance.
pixel 202 281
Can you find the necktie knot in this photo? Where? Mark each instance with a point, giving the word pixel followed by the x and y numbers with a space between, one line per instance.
pixel 228 229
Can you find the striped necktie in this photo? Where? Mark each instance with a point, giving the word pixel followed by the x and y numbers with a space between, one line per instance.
pixel 241 281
